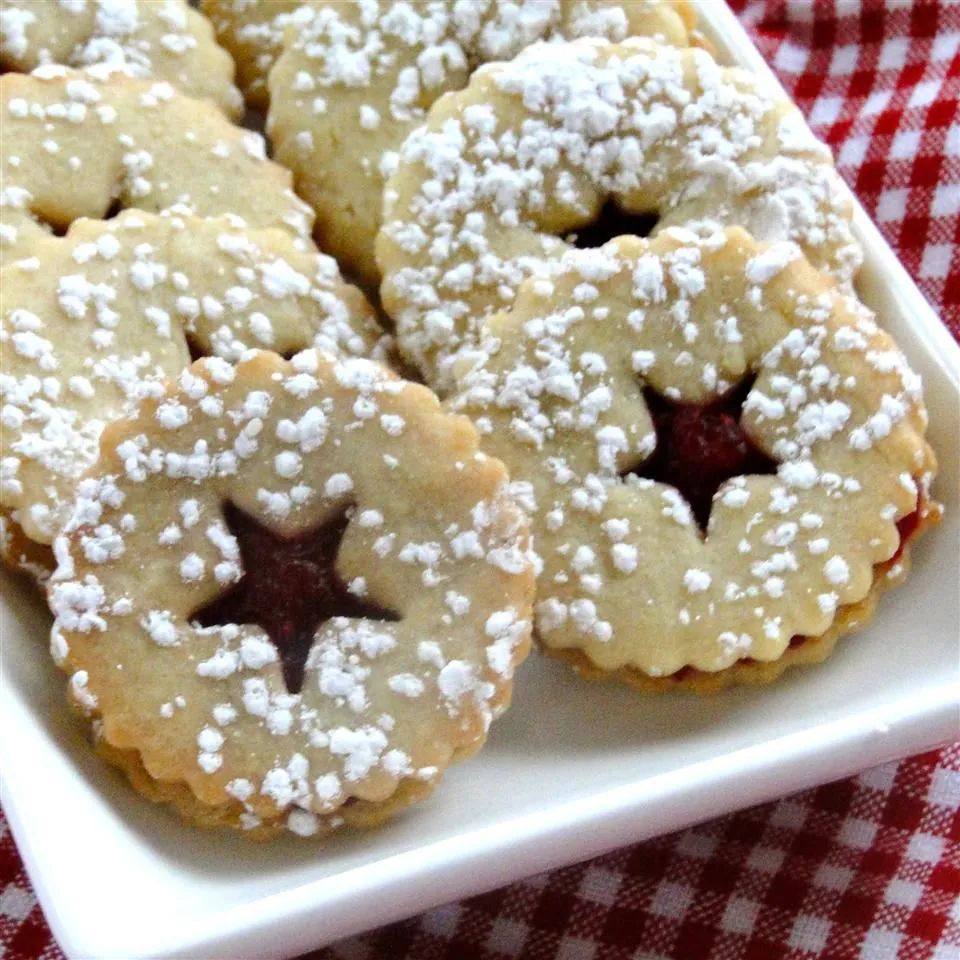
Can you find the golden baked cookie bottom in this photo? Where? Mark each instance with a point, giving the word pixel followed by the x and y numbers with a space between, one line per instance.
pixel 802 651
pixel 355 813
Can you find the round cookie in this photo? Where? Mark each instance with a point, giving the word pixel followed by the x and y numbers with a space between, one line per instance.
pixel 104 315
pixel 354 79
pixel 87 144
pixel 312 618
pixel 532 150
pixel 160 39
pixel 722 456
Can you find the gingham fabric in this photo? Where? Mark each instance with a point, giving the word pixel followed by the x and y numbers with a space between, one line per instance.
pixel 880 82
pixel 864 868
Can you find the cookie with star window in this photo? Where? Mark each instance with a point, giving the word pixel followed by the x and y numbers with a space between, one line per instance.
pixel 722 456
pixel 311 618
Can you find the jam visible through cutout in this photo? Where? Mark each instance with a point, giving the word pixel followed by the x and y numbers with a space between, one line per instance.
pixel 290 587
pixel 700 446
pixel 613 222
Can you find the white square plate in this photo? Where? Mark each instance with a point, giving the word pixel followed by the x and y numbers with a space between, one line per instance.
pixel 572 770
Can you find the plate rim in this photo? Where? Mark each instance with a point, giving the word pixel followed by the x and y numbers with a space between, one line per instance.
pixel 466 864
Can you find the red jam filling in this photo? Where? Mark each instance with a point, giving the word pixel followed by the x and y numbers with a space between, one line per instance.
pixel 701 446
pixel 290 587
pixel 907 527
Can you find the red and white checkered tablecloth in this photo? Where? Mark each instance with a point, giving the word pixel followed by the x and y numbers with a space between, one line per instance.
pixel 864 868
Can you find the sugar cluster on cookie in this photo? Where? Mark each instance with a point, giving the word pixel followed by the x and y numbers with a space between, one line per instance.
pixel 281 613
pixel 164 40
pixel 255 31
pixel 721 454
pixel 484 195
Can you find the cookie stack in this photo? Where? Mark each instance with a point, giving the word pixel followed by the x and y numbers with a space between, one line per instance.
pixel 653 427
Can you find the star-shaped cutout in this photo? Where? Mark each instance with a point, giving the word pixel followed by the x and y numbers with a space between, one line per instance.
pixel 701 446
pixel 290 587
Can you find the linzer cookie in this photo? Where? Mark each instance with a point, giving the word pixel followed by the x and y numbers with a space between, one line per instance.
pixel 531 151
pixel 723 456
pixel 355 78
pixel 161 39
pixel 87 144
pixel 280 612
pixel 100 318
